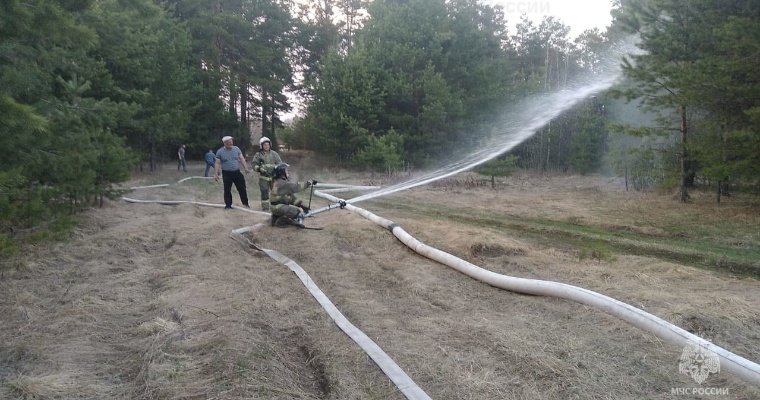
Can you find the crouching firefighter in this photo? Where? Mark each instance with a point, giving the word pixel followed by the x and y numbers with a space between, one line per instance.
pixel 287 209
pixel 264 162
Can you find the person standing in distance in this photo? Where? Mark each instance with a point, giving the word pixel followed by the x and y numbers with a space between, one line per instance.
pixel 229 158
pixel 181 158
pixel 264 162
pixel 210 159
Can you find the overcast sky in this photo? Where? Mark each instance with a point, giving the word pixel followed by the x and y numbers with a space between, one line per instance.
pixel 578 14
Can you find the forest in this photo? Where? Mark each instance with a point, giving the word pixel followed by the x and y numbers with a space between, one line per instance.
pixel 93 90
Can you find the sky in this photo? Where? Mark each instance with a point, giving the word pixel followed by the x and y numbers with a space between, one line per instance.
pixel 578 14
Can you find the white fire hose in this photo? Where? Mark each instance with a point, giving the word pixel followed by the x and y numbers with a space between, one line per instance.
pixel 393 371
pixel 737 365
pixel 403 382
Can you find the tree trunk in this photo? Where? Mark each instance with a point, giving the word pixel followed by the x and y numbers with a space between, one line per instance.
pixel 153 160
pixel 723 179
pixel 546 73
pixel 232 90
pixel 244 105
pixel 567 66
pixel 548 145
pixel 557 68
pixel 684 158
pixel 275 144
pixel 142 146
pixel 264 113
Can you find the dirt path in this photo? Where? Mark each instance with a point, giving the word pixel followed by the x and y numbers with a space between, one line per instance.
pixel 151 301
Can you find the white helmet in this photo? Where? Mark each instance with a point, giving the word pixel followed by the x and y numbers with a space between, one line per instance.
pixel 263 140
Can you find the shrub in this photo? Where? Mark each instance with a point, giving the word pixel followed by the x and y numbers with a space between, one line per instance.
pixel 381 154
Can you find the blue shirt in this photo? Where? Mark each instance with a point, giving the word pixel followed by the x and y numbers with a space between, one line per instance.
pixel 230 158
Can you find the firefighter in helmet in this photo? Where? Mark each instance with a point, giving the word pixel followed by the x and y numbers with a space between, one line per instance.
pixel 264 162
pixel 287 209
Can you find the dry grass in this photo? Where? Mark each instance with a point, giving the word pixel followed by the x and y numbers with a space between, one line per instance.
pixel 157 302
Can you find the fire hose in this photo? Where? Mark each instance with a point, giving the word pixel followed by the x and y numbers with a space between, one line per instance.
pixel 393 371
pixel 733 363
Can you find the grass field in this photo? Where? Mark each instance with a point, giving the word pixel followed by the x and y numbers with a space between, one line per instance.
pixel 150 301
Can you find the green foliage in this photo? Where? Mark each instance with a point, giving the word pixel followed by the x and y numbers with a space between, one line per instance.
pixel 87 156
pixel 437 72
pixel 575 141
pixel 243 49
pixel 505 166
pixel 381 154
pixel 87 88
pixel 58 229
pixel 645 169
pixel 8 246
pixel 589 143
pixel 427 70
pixel 346 108
pixel 599 252
pixel 647 161
pixel 68 99
pixel 20 202
pixel 145 59
pixel 695 68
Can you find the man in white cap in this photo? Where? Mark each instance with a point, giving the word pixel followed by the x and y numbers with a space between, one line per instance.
pixel 228 161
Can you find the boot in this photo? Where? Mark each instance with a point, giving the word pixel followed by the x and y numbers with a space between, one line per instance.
pixel 283 222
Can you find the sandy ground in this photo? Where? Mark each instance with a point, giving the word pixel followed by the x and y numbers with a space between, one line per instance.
pixel 151 301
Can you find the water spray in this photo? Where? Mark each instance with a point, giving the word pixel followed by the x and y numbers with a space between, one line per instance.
pixel 520 122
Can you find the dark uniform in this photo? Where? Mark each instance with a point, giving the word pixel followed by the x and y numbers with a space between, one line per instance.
pixel 264 163
pixel 287 209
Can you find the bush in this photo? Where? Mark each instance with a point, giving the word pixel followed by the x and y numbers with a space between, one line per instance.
pixel 381 154
pixel 500 167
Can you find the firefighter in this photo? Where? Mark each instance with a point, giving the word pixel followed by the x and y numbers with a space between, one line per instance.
pixel 287 209
pixel 264 162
